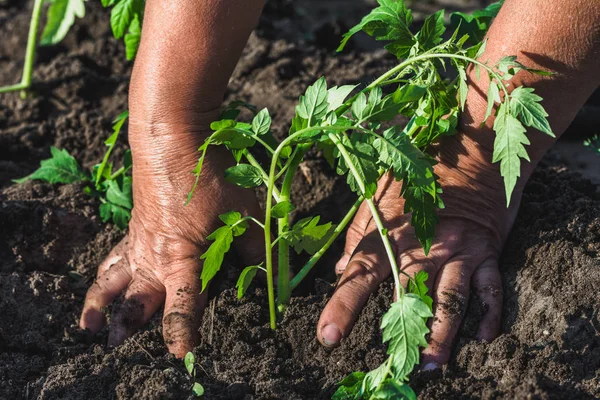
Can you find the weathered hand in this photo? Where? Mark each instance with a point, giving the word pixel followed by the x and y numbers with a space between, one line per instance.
pixel 159 259
pixel 468 242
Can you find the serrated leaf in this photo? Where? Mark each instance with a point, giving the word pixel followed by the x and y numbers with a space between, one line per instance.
pixel 390 21
pixel 409 93
pixel 392 390
pixel 493 97
pixel 61 16
pixel 123 14
pixel 404 328
pixel 245 280
pixel 350 387
pixel 476 24
pixel 419 201
pixel 359 106
pixel 374 378
pixel 308 235
pixel 337 95
pixel 60 168
pixel 189 361
pixel 282 209
pixel 119 192
pixel 120 216
pixel 244 175
pixel 261 122
pixel 432 30
pixel 313 104
pixel 396 151
pixel 364 158
pixel 418 286
pixel 463 89
pixel 214 255
pixel 133 37
pixel 526 106
pixel 509 147
pixel 110 142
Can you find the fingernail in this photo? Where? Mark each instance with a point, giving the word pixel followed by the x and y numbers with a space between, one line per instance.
pixel 331 335
pixel 431 366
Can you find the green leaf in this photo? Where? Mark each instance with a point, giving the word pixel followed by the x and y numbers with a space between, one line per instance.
pixel 108 3
pixel 308 235
pixel 119 192
pixel 132 38
pixel 419 201
pixel 123 14
pixel 198 169
pixel 105 211
pixel 359 106
pixel 261 122
pixel 493 97
pixel 476 24
pixel 61 16
pixel 245 280
pixel 110 142
pixel 374 378
pixel 409 93
pixel 350 387
pixel 417 286
pixel 120 215
pixel 282 209
pixel 236 135
pixel 392 390
pixel 313 104
pixel 509 147
pixel 363 157
pixel 396 151
pixel 390 21
pixel 244 175
pixel 526 106
pixel 463 89
pixel 404 327
pixel 232 220
pixel 189 360
pixel 214 255
pixel 432 31
pixel 197 390
pixel 336 96
pixel 60 168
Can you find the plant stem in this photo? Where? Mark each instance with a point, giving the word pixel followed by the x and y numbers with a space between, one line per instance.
pixel 283 274
pixel 264 175
pixel 382 231
pixel 317 256
pixel 29 52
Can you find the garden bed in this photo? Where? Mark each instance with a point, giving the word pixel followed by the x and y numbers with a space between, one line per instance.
pixel 52 239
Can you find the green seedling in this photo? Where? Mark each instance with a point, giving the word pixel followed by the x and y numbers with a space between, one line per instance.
pixel 125 20
pixel 593 143
pixel 190 365
pixel 356 129
pixel 112 188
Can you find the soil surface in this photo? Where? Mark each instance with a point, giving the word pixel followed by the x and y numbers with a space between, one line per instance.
pixel 51 240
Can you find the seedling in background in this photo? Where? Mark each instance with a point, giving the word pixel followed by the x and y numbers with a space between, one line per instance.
pixel 351 130
pixel 190 366
pixel 112 188
pixel 125 20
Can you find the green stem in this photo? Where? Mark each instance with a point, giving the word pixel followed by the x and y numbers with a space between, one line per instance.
pixel 375 214
pixel 317 256
pixel 263 174
pixel 29 52
pixel 283 273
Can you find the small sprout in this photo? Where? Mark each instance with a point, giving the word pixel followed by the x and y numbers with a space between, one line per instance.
pixel 190 365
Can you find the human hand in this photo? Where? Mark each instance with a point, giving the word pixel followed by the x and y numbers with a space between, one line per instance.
pixel 158 261
pixel 469 238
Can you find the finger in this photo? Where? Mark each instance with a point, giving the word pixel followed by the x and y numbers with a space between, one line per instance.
pixel 367 268
pixel 116 254
pixel 143 298
pixel 183 309
pixel 354 235
pixel 102 292
pixel 450 303
pixel 488 286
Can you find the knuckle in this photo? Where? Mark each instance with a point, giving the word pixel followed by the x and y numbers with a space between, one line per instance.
pixel 365 270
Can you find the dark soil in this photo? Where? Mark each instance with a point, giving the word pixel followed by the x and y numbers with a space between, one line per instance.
pixel 51 240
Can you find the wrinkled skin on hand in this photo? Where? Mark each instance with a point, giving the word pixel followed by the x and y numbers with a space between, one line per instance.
pixel 464 257
pixel 158 262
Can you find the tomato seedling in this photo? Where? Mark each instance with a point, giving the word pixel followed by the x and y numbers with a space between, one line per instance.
pixel 112 188
pixel 125 20
pixel 351 131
